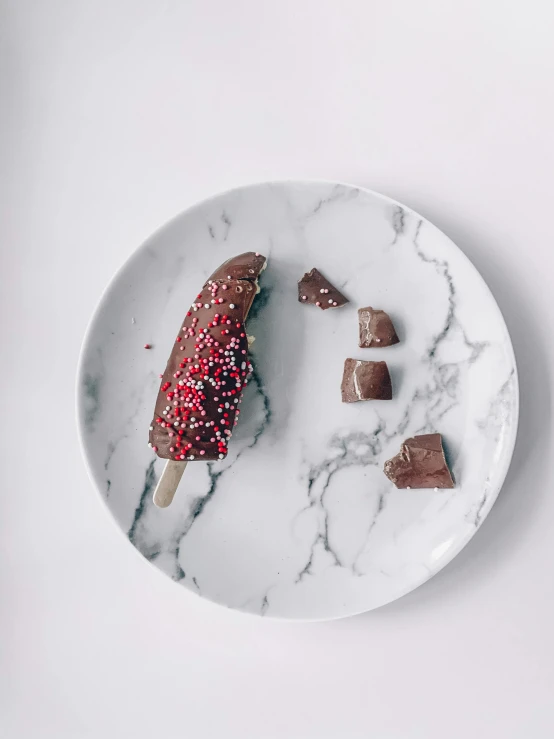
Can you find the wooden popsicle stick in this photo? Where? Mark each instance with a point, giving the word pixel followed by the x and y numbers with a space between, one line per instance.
pixel 168 482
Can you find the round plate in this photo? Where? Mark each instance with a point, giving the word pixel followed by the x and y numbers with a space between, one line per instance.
pixel 299 521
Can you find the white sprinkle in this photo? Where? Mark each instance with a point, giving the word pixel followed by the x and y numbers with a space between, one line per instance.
pixel 221 456
pixel 220 410
pixel 164 413
pixel 436 490
pixel 206 305
pixel 229 277
pixel 191 456
pixel 330 301
pixel 150 443
pixel 322 290
pixel 231 305
pixel 378 341
pixel 408 487
pixel 151 428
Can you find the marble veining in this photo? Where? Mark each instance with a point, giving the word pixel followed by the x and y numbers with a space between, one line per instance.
pixel 299 521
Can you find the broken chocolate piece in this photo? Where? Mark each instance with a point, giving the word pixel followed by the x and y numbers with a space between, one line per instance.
pixel 376 328
pixel 315 289
pixel 420 464
pixel 365 381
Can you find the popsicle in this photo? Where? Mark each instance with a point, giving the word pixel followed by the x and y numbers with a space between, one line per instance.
pixel 208 368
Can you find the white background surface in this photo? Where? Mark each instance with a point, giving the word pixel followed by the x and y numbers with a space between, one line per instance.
pixel 115 116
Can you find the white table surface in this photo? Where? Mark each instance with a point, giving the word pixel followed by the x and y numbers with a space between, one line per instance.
pixel 117 115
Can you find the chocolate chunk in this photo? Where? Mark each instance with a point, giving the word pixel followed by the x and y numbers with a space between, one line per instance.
pixel 420 464
pixel 315 289
pixel 365 381
pixel 376 328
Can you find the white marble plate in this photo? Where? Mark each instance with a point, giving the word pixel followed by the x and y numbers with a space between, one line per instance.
pixel 300 521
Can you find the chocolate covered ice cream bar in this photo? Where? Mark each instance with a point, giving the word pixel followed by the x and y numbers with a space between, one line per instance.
pixel 201 388
pixel 420 464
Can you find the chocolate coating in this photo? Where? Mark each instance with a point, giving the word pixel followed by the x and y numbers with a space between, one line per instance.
pixel 247 266
pixel 420 464
pixel 376 328
pixel 210 359
pixel 365 381
pixel 313 288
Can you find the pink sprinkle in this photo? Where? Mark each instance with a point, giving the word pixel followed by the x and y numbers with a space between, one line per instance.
pixel 154 448
pixel 224 287
pixel 148 346
pixel 197 438
pixel 220 300
pixel 318 303
pixel 202 451
pixel 160 375
pixel 212 440
pixel 303 297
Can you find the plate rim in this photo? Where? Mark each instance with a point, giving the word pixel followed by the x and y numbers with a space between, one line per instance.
pixel 79 405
